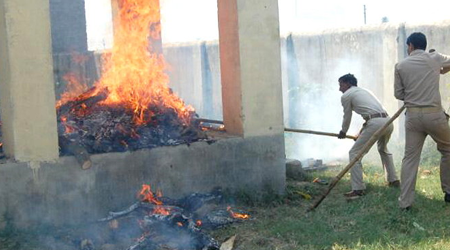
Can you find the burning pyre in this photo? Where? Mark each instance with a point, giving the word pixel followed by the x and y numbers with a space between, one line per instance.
pixel 166 223
pixel 131 106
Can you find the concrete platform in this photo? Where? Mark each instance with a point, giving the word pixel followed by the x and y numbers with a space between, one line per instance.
pixel 61 193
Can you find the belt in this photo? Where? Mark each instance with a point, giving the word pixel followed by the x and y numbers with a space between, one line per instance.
pixel 424 109
pixel 376 115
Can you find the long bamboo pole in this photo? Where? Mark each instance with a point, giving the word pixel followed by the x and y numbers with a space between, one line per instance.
pixel 317 133
pixel 358 157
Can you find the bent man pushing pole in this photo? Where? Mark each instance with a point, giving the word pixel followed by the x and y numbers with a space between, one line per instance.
pixel 364 103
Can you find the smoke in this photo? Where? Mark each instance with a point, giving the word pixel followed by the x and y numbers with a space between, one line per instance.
pixel 313 102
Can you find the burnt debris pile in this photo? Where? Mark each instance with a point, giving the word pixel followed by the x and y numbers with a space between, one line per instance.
pixel 164 223
pixel 98 128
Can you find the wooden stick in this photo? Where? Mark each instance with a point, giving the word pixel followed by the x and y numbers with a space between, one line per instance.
pixel 358 157
pixel 317 133
pixel 81 154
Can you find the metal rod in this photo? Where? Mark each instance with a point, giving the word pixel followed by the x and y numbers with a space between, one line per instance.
pixel 209 121
pixel 317 133
pixel 358 157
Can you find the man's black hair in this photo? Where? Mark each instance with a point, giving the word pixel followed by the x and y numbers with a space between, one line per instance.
pixel 418 40
pixel 349 78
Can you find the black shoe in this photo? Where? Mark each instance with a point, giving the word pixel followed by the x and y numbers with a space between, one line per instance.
pixel 354 194
pixel 395 184
pixel 447 198
pixel 406 209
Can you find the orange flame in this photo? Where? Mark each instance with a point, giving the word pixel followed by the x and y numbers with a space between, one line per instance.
pixel 238 215
pixel 68 129
pixel 75 87
pixel 134 74
pixel 161 210
pixel 147 195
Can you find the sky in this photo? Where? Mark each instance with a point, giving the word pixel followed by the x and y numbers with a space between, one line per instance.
pixel 307 16
pixel 196 20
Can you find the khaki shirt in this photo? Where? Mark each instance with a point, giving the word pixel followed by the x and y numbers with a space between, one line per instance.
pixel 360 100
pixel 417 79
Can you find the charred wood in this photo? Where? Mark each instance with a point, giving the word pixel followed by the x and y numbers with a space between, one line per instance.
pixel 175 224
pixel 148 207
pixel 105 129
pixel 78 151
pixel 84 101
pixel 218 219
pixel 115 215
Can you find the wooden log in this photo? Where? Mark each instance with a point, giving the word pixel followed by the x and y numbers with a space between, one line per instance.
pixel 78 151
pixel 81 155
pixel 358 157
pixel 85 100
pixel 317 133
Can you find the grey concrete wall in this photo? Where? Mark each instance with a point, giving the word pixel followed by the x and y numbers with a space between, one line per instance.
pixel 68 22
pixel 62 193
pixel 194 73
pixel 311 65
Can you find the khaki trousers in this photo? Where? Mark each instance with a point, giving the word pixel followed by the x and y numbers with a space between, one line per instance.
pixel 369 128
pixel 417 126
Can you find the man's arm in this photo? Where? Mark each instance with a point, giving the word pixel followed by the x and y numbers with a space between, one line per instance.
pixel 445 62
pixel 444 69
pixel 347 105
pixel 399 89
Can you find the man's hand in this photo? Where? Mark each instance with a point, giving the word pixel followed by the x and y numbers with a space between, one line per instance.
pixel 445 70
pixel 342 135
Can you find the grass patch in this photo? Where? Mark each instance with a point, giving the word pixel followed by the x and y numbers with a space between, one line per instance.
pixel 371 222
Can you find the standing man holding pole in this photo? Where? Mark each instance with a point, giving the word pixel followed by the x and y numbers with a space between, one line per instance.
pixel 367 105
pixel 417 85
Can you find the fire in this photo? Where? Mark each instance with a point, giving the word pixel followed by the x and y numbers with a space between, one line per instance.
pixel 238 215
pixel 68 129
pixel 133 74
pixel 75 87
pixel 161 210
pixel 146 195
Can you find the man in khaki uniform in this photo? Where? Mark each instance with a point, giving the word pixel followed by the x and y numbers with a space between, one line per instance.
pixel 417 84
pixel 364 103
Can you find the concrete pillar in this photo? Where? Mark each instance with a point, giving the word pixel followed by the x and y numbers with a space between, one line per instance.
pixel 26 81
pixel 250 61
pixel 68 23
